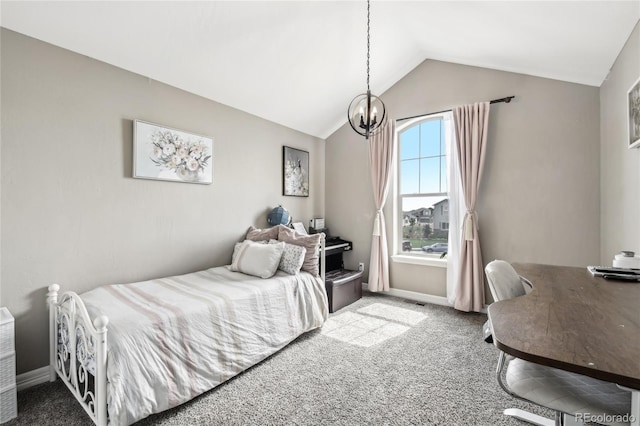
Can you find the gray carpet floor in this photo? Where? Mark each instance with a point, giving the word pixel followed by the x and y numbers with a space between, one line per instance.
pixel 439 371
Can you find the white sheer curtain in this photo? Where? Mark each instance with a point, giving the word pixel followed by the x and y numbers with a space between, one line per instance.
pixel 456 208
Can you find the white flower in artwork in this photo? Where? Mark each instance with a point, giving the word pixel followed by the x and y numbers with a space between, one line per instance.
pixel 186 158
pixel 196 151
pixel 157 152
pixel 182 152
pixel 193 164
pixel 169 149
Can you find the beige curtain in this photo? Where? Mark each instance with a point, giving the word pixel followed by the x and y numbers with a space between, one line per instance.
pixel 381 152
pixel 471 126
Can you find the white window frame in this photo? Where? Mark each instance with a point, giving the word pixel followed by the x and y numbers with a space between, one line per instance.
pixel 398 256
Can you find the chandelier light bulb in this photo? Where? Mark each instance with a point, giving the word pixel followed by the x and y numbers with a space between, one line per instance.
pixel 366 114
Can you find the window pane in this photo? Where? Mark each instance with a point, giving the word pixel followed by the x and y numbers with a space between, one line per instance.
pixel 443 148
pixel 422 169
pixel 409 177
pixel 430 175
pixel 425 224
pixel 409 143
pixel 430 138
pixel 443 174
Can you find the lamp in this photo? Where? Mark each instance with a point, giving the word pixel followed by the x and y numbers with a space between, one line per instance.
pixel 366 112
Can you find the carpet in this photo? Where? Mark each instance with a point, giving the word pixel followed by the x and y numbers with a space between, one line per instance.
pixel 380 361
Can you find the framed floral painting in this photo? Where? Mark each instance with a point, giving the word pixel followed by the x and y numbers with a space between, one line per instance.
pixel 633 111
pixel 164 153
pixel 295 172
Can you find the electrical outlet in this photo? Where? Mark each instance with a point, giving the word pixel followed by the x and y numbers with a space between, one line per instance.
pixel 361 266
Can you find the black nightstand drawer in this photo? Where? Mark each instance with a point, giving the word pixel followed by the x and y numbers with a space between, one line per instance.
pixel 343 288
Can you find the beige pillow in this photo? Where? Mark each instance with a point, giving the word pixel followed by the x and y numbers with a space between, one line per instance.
pixel 292 257
pixel 256 234
pixel 309 242
pixel 257 259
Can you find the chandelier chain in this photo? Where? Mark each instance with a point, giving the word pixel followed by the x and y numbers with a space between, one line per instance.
pixel 368 40
pixel 366 112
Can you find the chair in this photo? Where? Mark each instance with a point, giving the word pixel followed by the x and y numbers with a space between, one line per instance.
pixel 564 392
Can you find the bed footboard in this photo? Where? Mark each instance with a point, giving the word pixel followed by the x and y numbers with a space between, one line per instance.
pixel 78 351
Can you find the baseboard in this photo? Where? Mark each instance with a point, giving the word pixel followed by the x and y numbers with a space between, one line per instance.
pixel 418 297
pixel 32 378
pixel 413 295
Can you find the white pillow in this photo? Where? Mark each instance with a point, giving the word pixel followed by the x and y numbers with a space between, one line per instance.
pixel 292 257
pixel 257 259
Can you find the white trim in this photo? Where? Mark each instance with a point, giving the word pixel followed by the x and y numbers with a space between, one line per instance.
pixel 419 260
pixel 32 378
pixel 425 117
pixel 412 295
pixel 418 297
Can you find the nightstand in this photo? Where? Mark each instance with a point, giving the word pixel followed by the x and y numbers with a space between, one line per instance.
pixel 343 286
pixel 8 399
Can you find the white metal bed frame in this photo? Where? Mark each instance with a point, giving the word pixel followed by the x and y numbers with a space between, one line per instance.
pixel 78 348
pixel 77 343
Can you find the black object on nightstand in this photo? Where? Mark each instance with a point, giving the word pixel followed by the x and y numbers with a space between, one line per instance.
pixel 343 286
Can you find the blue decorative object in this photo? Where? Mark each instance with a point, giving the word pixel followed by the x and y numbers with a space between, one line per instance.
pixel 279 216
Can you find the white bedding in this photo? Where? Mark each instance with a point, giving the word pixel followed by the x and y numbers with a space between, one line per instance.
pixel 171 339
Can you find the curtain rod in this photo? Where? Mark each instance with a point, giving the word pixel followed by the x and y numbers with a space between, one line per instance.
pixel 506 100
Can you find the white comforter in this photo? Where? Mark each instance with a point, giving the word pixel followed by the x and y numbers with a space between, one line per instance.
pixel 171 339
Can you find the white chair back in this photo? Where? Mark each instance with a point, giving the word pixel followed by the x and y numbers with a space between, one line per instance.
pixel 504 281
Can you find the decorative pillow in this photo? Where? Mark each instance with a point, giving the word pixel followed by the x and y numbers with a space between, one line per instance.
pixel 310 242
pixel 256 234
pixel 257 259
pixel 292 258
pixel 237 246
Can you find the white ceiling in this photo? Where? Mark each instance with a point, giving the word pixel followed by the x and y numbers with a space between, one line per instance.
pixel 299 63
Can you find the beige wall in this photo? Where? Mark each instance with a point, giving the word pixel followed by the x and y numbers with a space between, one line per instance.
pixel 539 198
pixel 620 166
pixel 72 213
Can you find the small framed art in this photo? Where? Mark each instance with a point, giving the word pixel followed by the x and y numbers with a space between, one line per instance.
pixel 163 153
pixel 295 172
pixel 633 114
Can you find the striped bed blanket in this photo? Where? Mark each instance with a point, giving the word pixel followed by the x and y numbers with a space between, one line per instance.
pixel 172 339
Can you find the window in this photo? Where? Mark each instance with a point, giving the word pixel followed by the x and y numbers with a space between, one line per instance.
pixel 423 217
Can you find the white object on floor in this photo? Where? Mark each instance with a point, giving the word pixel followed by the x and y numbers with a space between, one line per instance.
pixel 8 399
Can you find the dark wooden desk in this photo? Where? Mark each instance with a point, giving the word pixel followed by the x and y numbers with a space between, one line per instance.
pixel 575 322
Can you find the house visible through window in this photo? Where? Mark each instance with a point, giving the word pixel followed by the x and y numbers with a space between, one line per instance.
pixel 422 188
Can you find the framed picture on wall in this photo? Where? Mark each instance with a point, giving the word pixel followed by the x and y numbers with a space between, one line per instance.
pixel 163 153
pixel 633 114
pixel 295 172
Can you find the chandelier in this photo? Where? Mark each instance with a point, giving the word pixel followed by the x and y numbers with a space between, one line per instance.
pixel 366 112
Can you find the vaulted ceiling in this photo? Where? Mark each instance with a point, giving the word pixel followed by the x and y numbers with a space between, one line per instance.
pixel 299 63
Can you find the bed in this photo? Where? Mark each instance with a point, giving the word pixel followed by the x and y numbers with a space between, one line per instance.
pixel 127 351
